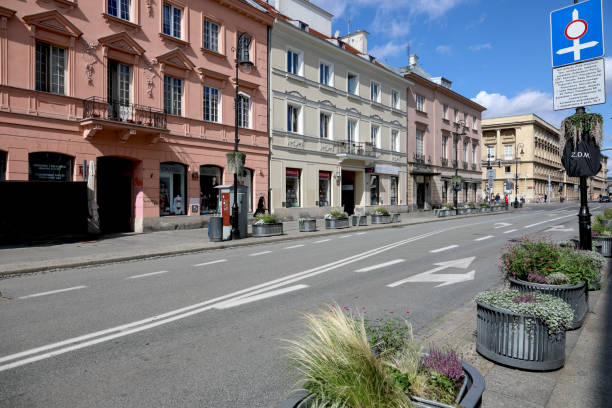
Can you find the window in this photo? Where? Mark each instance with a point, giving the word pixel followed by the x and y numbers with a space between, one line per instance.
pixel 474 159
pixel 491 152
pixel 507 152
pixel 455 149
pixel 292 190
pixel 467 120
pixel 173 95
pixel 375 136
pixel 244 47
pixel 244 110
pixel 420 136
pixel 374 189
pixel 351 130
pixel 211 104
pixel 508 169
pixel 465 151
pixel 211 36
pixel 420 103
pixel 172 20
pixel 395 140
pixel 294 62
pixel 210 177
pixel 119 8
pixel 324 188
pixel 46 166
pixel 324 125
pixel 172 189
pixel 395 99
pixel 444 143
pixel 118 86
pixel 475 124
pixel 444 111
pixel 352 84
pixel 375 91
pixel 456 115
pixel 50 68
pixel 394 185
pixel 293 118
pixel 326 72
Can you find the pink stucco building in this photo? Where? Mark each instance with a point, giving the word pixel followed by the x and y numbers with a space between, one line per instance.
pixel 444 135
pixel 143 89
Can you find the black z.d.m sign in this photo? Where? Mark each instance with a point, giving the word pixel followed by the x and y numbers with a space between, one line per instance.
pixel 582 158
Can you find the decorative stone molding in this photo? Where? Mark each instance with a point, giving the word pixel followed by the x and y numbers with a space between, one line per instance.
pixel 90 58
pixel 149 74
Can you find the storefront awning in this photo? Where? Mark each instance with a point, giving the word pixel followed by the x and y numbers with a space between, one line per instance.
pixel 424 172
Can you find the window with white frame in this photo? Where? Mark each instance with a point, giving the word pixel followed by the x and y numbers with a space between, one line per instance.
pixel 395 143
pixel 491 152
pixel 444 144
pixel 465 151
pixel 395 99
pixel 294 62
pixel 444 111
pixel 324 125
pixel 420 140
pixel 456 115
pixel 293 118
pixel 211 104
pixel 375 91
pixel 50 68
pixel 507 152
pixel 244 110
pixel 211 35
pixel 474 124
pixel 474 158
pixel 420 103
pixel 173 17
pixel 375 136
pixel 119 8
pixel 351 130
pixel 467 120
pixel 352 83
pixel 173 95
pixel 244 48
pixel 326 73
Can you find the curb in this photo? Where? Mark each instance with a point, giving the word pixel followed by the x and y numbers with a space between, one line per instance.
pixel 50 266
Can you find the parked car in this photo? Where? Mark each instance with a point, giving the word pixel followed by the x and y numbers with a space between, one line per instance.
pixel 604 199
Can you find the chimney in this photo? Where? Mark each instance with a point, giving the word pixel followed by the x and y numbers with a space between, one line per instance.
pixel 413 60
pixel 358 40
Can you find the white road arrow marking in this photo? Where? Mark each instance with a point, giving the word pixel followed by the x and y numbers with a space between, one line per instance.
pixel 502 224
pixel 446 279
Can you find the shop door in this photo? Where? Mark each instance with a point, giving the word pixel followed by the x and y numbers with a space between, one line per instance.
pixel 348 191
pixel 114 194
pixel 420 196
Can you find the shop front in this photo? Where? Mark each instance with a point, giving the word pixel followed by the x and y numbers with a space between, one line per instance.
pixel 292 188
pixel 210 177
pixel 348 191
pixel 172 189
pixel 324 189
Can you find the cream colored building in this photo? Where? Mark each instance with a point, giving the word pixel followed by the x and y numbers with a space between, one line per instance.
pixel 531 147
pixel 338 120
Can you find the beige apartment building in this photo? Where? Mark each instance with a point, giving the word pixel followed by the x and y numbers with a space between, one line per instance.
pixel 530 148
pixel 338 119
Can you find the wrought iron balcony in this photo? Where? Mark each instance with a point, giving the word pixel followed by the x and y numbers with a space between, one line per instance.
pixel 99 108
pixel 465 165
pixel 418 158
pixel 356 149
pixel 454 163
pixel 444 161
pixel 474 166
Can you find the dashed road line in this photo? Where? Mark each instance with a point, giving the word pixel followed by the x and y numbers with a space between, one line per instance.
pixel 294 246
pixel 433 251
pixel 260 253
pixel 211 262
pixel 346 236
pixel 52 292
pixel 382 265
pixel 323 240
pixel 483 238
pixel 144 275
pixel 509 231
pixel 361 233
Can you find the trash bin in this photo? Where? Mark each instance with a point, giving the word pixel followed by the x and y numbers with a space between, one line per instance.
pixel 215 229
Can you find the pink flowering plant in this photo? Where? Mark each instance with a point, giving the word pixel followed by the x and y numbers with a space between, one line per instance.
pixel 536 256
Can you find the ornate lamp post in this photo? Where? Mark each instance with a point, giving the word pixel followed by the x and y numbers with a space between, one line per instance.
pixel 516 175
pixel 243 42
pixel 457 140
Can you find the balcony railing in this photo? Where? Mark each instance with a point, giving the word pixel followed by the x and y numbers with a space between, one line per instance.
pixel 465 165
pixel 474 166
pixel 99 108
pixel 444 161
pixel 454 163
pixel 418 158
pixel 357 149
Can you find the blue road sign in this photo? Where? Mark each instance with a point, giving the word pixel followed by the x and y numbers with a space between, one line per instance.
pixel 576 33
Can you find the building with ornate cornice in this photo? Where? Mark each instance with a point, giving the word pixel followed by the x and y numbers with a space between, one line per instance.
pixel 338 119
pixel 145 91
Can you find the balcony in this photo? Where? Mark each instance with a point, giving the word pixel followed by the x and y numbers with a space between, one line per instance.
pixel 444 161
pixel 418 158
pixel 454 163
pixel 130 119
pixel 465 165
pixel 349 148
pixel 474 166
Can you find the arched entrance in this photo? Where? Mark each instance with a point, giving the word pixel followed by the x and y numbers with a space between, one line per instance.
pixel 114 194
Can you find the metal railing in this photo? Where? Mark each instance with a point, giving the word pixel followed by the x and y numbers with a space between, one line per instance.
pixel 418 158
pixel 465 165
pixel 454 163
pixel 444 161
pixel 95 107
pixel 357 149
pixel 474 166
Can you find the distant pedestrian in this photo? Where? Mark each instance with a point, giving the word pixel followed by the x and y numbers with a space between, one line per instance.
pixel 506 199
pixel 545 197
pixel 261 207
pixel 497 198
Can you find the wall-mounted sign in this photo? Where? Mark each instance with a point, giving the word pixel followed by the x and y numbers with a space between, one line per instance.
pixel 386 169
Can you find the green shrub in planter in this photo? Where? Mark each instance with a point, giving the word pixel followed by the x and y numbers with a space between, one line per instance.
pixel 336 214
pixel 448 207
pixel 608 213
pixel 267 219
pixel 380 211
pixel 484 205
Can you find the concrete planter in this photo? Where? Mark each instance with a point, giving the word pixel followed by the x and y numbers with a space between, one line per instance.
pixel 359 220
pixel 518 341
pixel 470 395
pixel 484 209
pixel 463 211
pixel 606 222
pixel 380 219
pixel 606 245
pixel 336 223
pixel 577 296
pixel 395 217
pixel 497 208
pixel 267 230
pixel 308 225
pixel 445 212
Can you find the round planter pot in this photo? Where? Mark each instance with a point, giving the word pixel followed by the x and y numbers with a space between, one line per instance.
pixel 470 395
pixel 267 230
pixel 577 296
pixel 380 219
pixel 335 223
pixel 359 220
pixel 484 209
pixel 395 217
pixel 462 211
pixel 517 340
pixel 309 225
pixel 606 245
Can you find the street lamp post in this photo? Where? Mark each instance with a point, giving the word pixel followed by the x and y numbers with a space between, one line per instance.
pixel 516 175
pixel 457 136
pixel 243 41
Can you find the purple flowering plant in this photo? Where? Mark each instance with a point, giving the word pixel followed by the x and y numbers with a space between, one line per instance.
pixel 443 362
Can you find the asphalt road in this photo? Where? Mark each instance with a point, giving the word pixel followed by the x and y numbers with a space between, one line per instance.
pixel 207 329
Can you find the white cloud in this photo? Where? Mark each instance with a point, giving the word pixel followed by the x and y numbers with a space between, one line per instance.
pixel 478 47
pixel 443 49
pixel 335 7
pixel 390 48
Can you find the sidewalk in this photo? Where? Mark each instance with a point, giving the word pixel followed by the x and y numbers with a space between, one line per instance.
pixel 584 381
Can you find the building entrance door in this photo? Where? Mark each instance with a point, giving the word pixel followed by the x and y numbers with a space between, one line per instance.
pixel 420 196
pixel 348 191
pixel 114 194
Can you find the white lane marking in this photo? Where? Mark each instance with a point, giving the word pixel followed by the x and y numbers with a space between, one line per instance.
pixel 361 233
pixel 294 246
pixel 260 253
pixel 265 295
pixel 346 236
pixel 211 262
pixel 184 312
pixel 144 275
pixel 509 231
pixel 552 219
pixel 382 265
pixel 323 240
pixel 433 251
pixel 483 238
pixel 502 224
pixel 52 292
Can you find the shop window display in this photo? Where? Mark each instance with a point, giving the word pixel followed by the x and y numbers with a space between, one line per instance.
pixel 172 189
pixel 210 177
pixel 45 166
pixel 394 190
pixel 247 180
pixel 374 190
pixel 293 188
pixel 324 188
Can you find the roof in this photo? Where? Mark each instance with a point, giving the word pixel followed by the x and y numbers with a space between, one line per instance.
pixel 442 89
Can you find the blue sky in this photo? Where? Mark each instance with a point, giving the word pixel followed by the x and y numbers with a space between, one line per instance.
pixel 496 52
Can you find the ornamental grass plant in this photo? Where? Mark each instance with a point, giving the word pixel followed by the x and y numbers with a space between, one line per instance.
pixel 335 214
pixel 380 211
pixel 267 219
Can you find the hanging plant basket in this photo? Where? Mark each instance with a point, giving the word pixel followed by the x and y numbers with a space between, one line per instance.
pixel 572 127
pixel 235 162
pixel 581 135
